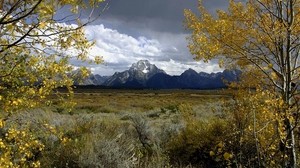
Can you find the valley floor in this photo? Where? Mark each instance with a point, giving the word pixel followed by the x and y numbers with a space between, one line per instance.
pixel 121 128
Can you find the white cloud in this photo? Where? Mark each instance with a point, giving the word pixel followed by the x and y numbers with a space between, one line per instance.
pixel 119 51
pixel 175 68
pixel 116 47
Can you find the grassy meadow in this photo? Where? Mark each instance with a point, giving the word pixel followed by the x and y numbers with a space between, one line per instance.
pixel 130 128
pixel 144 101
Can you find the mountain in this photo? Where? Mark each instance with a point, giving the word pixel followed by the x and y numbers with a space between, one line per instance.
pixel 143 74
pixel 190 79
pixel 138 74
pixel 163 81
pixel 90 80
pixel 95 80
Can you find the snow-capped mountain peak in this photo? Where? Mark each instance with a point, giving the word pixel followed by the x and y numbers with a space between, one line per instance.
pixel 139 72
pixel 142 65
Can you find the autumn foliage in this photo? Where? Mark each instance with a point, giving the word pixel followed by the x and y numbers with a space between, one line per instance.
pixel 36 47
pixel 259 36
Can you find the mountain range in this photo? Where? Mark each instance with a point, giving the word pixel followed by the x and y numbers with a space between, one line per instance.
pixel 143 74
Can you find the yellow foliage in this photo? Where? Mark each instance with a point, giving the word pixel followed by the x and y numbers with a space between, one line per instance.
pixel 39 51
pixel 258 120
pixel 19 149
pixel 227 156
pixel 255 34
pixel 34 60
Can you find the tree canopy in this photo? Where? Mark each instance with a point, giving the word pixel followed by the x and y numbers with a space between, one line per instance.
pixel 260 33
pixel 36 46
pixel 257 36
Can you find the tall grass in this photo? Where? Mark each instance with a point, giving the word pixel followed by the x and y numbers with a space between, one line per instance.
pixel 128 130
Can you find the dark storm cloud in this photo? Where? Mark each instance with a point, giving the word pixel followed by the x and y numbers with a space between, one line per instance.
pixel 135 15
pixel 157 15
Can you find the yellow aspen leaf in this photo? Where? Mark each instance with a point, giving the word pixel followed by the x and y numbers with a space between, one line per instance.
pixel 220 145
pixel 98 60
pixel 227 156
pixel 42 25
pixel 211 153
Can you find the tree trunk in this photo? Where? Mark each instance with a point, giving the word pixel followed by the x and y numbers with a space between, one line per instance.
pixel 291 148
pixel 290 138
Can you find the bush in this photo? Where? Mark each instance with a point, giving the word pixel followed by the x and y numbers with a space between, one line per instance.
pixel 104 151
pixel 193 145
pixel 256 120
pixel 19 147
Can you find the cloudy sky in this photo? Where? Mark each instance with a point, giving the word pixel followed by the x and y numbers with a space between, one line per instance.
pixel 132 30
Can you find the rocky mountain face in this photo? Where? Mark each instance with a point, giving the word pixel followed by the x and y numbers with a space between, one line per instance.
pixel 143 74
pixel 137 75
pixel 95 80
pixel 90 80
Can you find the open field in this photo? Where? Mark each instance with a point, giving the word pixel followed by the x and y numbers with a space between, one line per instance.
pixel 146 129
pixel 128 128
pixel 106 101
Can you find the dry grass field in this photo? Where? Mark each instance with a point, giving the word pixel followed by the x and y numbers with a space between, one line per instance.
pixel 128 128
pixel 106 101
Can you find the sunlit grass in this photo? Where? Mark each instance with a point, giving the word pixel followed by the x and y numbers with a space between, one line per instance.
pixel 106 101
pixel 118 128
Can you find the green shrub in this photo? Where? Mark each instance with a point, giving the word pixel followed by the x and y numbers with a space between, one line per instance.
pixel 107 110
pixel 193 145
pixel 148 107
pixel 170 108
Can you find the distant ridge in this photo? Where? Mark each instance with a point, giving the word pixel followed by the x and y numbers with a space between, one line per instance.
pixel 143 74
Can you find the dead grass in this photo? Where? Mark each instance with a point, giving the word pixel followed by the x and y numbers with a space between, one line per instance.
pixel 142 100
pixel 118 128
